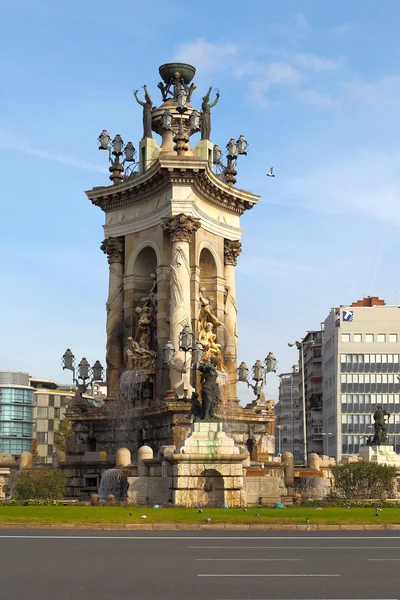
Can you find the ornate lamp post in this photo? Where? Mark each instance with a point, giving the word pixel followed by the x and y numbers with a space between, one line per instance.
pixel 85 371
pixel 117 149
pixel 234 150
pixel 187 343
pixel 259 373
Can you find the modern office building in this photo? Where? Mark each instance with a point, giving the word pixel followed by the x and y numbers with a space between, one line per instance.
pixel 16 413
pixel 288 429
pixel 361 360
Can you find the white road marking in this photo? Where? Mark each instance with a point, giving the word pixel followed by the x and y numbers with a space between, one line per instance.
pixel 380 559
pixel 267 575
pixel 293 547
pixel 250 559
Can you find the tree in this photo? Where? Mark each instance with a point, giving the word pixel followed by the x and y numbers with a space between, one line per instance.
pixel 361 480
pixel 39 484
pixel 35 451
pixel 60 435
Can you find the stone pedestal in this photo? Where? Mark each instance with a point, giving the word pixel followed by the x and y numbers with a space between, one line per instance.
pixel 3 474
pixel 208 470
pixel 381 455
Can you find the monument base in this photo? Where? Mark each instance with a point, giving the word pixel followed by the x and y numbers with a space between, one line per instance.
pixel 208 470
pixel 380 455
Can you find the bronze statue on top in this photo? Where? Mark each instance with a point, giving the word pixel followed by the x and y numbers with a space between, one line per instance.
pixel 380 438
pixel 206 107
pixel 177 82
pixel 147 108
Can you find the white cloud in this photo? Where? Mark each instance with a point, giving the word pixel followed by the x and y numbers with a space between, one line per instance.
pixel 318 64
pixel 365 183
pixel 204 55
pixel 383 93
pixel 274 73
pixel 15 144
pixel 319 99
pixel 296 30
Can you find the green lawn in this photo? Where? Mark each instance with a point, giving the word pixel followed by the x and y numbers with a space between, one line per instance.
pixel 118 514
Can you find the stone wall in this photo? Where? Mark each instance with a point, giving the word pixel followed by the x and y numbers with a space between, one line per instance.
pixel 149 490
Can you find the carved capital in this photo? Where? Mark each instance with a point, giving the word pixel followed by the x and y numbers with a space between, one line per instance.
pixel 232 249
pixel 114 248
pixel 181 227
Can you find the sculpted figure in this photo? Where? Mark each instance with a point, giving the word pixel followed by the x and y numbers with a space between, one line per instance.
pixel 380 426
pixel 138 357
pixel 147 107
pixel 207 340
pixel 196 409
pixel 209 389
pixel 206 107
pixel 205 308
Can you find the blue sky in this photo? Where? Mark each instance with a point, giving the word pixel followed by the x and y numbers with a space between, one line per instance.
pixel 315 88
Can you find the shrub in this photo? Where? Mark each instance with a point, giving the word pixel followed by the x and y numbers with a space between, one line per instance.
pixel 43 484
pixel 362 480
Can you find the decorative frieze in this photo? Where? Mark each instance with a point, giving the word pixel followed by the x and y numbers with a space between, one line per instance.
pixel 114 248
pixel 181 227
pixel 232 249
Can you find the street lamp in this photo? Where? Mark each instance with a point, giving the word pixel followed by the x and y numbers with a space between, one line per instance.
pixel 300 346
pixel 85 371
pixel 234 148
pixel 117 149
pixel 187 343
pixel 279 428
pixel 259 373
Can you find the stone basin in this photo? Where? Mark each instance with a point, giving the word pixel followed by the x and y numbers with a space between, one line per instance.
pixel 168 71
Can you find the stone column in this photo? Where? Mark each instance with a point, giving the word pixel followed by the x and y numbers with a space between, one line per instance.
pixel 114 248
pixel 181 229
pixel 232 249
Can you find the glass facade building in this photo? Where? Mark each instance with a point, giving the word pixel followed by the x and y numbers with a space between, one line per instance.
pixel 16 413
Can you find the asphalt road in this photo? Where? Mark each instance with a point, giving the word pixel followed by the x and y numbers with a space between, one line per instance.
pixel 99 565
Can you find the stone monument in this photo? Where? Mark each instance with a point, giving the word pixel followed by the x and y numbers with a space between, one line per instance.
pixel 172 240
pixel 378 450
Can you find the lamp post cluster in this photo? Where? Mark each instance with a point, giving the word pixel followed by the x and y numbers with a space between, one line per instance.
pixel 85 371
pixel 117 149
pixel 181 137
pixel 259 373
pixel 187 343
pixel 234 150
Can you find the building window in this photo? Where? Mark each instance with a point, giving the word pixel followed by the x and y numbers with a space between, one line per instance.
pixel 392 337
pixel 41 437
pixel 91 482
pixel 42 412
pixel 357 337
pixel 369 337
pixel 56 413
pixel 345 337
pixel 381 337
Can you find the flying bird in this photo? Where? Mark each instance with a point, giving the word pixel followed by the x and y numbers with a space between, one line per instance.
pixel 271 172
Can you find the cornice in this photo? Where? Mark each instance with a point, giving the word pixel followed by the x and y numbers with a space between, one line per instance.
pixel 174 170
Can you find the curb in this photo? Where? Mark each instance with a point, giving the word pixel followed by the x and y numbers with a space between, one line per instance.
pixel 164 526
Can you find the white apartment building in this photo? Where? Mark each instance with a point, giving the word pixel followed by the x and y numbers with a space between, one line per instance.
pixel 361 359
pixel 288 427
